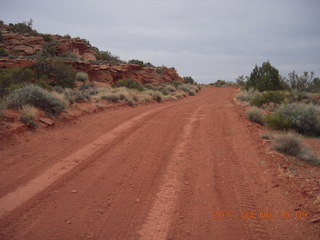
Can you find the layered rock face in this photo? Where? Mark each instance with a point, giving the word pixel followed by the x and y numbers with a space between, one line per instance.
pixel 19 45
pixel 109 73
pixel 24 45
pixel 24 48
pixel 112 73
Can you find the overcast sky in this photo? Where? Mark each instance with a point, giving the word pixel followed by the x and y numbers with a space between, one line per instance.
pixel 205 39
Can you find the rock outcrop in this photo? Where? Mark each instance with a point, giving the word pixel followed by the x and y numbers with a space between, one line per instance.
pixel 14 63
pixel 76 46
pixel 19 45
pixel 23 50
pixel 111 73
pixel 26 45
pixel 108 73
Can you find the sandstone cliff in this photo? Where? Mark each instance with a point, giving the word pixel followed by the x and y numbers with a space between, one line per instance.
pixel 24 51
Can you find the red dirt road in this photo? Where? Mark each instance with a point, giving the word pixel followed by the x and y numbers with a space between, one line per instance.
pixel 158 171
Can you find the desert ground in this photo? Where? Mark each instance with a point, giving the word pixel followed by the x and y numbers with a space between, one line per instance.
pixel 188 169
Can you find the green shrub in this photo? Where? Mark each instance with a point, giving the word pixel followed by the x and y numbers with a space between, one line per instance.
pixel 255 115
pixel 278 122
pixel 10 79
pixel 268 97
pixel 128 83
pixel 3 52
pixel 73 96
pixel 24 27
pixel 37 97
pixel 265 78
pixel 69 56
pixel 48 50
pixel 56 69
pixel 107 57
pixel 290 144
pixel 247 95
pixel 81 76
pixel 176 83
pixel 304 118
pixel 135 61
pixel 47 37
pixel 188 80
pixel 221 83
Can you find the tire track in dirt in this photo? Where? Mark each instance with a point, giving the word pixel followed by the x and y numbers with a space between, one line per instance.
pixel 24 193
pixel 159 218
pixel 160 178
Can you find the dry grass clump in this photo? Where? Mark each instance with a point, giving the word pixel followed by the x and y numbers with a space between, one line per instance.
pixel 37 97
pixel 61 97
pixel 28 116
pixel 247 95
pixel 133 96
pixel 291 144
pixel 255 114
pixel 81 76
pixel 267 135
pixel 189 88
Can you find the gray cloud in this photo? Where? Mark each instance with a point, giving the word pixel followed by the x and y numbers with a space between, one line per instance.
pixel 207 39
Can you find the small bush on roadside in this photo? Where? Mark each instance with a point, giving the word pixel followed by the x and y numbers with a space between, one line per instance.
pixel 111 97
pixel 267 136
pixel 37 97
pixel 278 122
pixel 255 114
pixel 28 116
pixel 290 144
pixel 73 96
pixel 190 89
pixel 304 118
pixel 267 97
pixel 142 97
pixel 167 89
pixel 128 83
pixel 179 94
pixel 157 96
pixel 81 76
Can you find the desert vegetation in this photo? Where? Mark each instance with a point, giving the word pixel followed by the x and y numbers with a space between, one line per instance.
pixel 289 105
pixel 52 85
